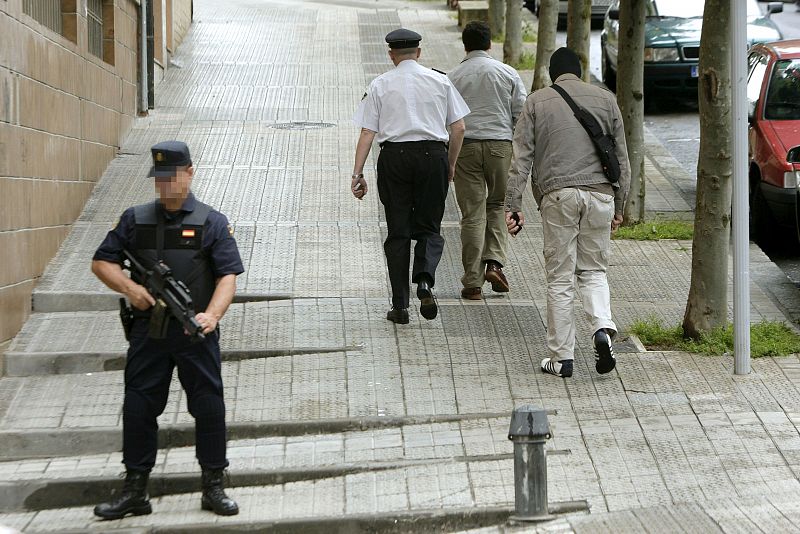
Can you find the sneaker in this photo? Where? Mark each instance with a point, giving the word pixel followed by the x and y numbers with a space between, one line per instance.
pixel 603 352
pixel 562 368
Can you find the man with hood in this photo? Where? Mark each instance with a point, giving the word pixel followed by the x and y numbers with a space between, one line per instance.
pixel 580 207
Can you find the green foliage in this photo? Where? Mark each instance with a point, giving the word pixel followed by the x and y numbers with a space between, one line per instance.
pixel 655 230
pixel 529 32
pixel 526 61
pixel 769 338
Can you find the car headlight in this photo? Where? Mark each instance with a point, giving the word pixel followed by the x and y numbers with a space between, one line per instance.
pixel 661 54
pixel 791 179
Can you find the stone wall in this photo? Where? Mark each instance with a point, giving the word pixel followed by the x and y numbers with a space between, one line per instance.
pixel 63 113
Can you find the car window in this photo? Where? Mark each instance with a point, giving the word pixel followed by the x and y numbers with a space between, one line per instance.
pixel 783 95
pixel 758 66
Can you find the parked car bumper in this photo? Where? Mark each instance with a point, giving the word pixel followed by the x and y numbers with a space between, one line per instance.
pixel 781 202
pixel 673 77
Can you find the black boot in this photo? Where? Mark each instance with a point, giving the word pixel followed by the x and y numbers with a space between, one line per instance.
pixel 214 497
pixel 133 499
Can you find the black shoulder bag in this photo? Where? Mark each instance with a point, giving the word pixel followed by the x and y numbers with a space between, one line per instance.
pixel 605 144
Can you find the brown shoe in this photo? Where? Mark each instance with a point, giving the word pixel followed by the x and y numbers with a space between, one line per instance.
pixel 495 276
pixel 471 293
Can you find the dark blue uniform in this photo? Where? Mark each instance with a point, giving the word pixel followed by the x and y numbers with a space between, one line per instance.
pixel 150 362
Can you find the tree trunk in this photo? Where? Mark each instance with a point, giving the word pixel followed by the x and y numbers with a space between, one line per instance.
pixel 512 46
pixel 579 14
pixel 630 97
pixel 497 17
pixel 545 42
pixel 707 305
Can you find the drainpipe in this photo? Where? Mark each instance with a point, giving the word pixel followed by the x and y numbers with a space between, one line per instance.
pixel 151 49
pixel 143 83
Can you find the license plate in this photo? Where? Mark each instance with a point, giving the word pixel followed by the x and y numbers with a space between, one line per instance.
pixel 694 71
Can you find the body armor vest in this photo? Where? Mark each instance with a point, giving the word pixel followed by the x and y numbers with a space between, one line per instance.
pixel 178 243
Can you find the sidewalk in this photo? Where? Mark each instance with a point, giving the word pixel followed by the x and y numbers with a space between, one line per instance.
pixel 342 421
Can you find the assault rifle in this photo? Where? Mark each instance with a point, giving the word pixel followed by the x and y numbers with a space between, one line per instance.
pixel 172 297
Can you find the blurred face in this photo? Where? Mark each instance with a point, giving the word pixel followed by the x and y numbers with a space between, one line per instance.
pixel 173 190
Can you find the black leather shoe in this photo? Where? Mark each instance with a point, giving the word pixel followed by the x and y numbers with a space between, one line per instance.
pixel 132 500
pixel 427 306
pixel 398 315
pixel 214 497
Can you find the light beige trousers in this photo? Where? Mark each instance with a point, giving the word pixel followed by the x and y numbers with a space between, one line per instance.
pixel 577 239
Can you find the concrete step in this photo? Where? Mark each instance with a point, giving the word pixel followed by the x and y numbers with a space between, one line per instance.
pixel 59 442
pixel 182 514
pixel 45 301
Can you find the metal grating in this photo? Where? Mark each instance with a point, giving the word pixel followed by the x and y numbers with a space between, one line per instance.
pixel 94 18
pixel 47 12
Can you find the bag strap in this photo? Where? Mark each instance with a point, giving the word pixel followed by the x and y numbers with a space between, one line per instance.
pixel 560 90
pixel 586 119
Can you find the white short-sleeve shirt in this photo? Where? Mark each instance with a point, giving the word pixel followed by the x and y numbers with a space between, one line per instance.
pixel 410 103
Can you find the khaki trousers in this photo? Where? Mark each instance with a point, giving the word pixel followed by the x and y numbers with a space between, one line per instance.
pixel 480 183
pixel 577 239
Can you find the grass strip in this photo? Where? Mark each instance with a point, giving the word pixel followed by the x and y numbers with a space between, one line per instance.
pixel 768 338
pixel 655 230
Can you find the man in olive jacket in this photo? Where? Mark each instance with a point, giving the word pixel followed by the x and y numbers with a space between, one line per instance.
pixel 579 206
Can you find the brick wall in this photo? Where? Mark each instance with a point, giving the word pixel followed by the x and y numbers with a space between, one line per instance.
pixel 63 114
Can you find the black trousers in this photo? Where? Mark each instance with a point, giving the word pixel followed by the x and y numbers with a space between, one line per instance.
pixel 412 186
pixel 148 372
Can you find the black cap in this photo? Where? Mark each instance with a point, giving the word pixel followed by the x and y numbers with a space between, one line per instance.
pixel 564 61
pixel 403 38
pixel 167 157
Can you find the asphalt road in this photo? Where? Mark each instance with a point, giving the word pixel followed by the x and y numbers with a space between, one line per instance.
pixel 676 124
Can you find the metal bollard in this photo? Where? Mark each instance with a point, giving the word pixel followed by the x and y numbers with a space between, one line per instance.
pixel 529 431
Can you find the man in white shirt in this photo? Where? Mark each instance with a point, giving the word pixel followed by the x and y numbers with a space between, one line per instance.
pixel 408 110
pixel 495 94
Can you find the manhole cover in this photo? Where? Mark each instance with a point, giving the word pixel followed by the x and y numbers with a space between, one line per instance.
pixel 302 125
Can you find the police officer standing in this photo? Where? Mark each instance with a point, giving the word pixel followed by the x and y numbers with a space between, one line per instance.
pixel 409 109
pixel 196 242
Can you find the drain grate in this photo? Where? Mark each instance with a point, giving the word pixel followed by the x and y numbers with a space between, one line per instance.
pixel 300 125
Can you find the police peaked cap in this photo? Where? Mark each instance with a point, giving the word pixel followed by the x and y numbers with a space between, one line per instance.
pixel 403 38
pixel 167 157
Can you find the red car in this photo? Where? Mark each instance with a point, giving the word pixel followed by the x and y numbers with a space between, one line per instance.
pixel 773 94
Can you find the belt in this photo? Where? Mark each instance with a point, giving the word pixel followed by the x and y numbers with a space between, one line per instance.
pixel 468 141
pixel 413 145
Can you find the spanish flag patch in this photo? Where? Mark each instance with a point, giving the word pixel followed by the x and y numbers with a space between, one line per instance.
pixel 189 232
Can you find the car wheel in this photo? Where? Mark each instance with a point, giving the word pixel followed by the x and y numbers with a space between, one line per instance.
pixel 609 76
pixel 762 225
pixel 796 232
